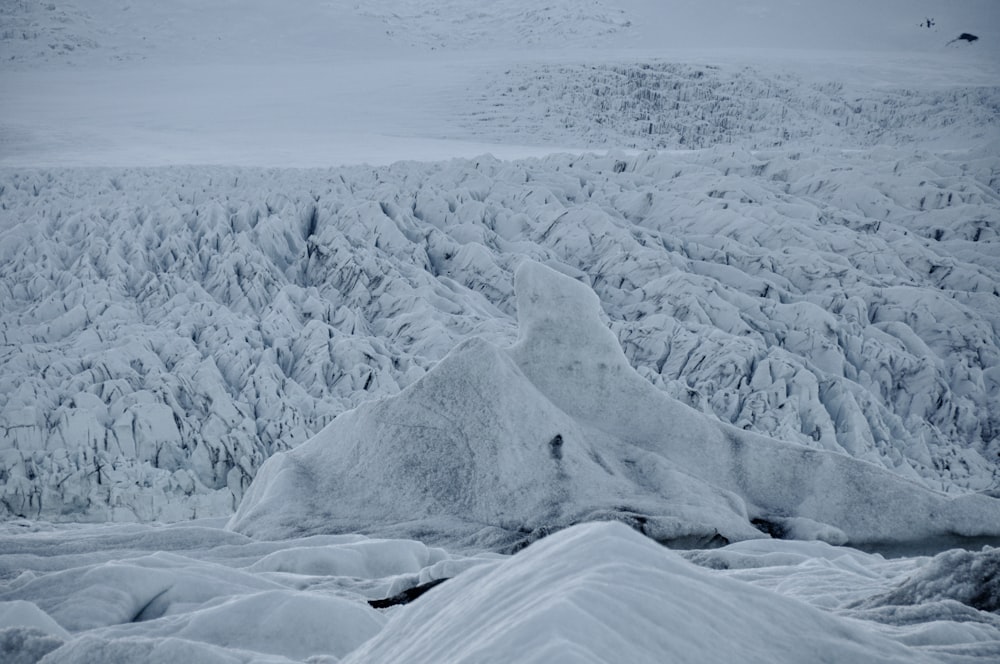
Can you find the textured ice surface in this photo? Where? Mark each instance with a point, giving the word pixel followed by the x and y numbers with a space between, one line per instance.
pixel 657 104
pixel 166 330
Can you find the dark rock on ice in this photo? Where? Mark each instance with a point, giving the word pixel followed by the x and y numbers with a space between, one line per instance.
pixel 406 596
pixel 965 36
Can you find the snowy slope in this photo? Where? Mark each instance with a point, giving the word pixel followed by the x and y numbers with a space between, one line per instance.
pixel 600 593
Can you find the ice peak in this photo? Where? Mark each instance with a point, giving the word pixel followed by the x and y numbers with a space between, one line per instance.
pixel 567 350
pixel 560 316
pixel 545 295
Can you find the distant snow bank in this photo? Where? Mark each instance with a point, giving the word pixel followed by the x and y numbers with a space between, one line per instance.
pixel 308 83
pixel 165 331
pixel 77 33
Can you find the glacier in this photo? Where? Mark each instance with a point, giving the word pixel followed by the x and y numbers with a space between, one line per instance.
pixel 237 235
pixel 167 330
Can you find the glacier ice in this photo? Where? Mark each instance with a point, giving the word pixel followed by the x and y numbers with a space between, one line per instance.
pixel 23 613
pixel 824 272
pixel 495 447
pixel 165 331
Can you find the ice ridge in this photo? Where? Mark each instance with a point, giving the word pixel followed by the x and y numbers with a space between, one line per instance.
pixel 497 447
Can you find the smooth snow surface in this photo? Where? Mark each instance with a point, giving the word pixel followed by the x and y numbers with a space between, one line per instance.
pixel 790 226
pixel 595 592
pixel 602 593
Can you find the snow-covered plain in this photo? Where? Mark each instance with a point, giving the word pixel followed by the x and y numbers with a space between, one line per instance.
pixel 790 225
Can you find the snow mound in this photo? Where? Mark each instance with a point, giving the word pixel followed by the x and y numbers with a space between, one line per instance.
pixel 603 593
pixel 504 446
pixel 289 623
pixel 91 648
pixel 110 590
pixel 22 613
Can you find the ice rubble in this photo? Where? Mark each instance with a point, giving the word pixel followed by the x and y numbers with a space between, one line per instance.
pixel 166 330
pixel 496 447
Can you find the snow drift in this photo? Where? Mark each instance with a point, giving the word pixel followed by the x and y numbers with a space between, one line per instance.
pixel 600 593
pixel 497 447
pixel 592 592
